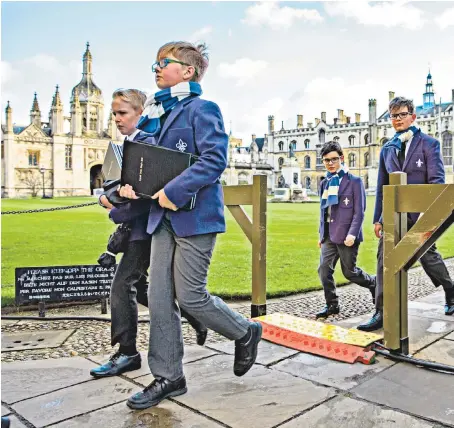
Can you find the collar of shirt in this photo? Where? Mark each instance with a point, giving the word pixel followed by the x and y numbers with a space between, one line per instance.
pixel 133 135
pixel 406 147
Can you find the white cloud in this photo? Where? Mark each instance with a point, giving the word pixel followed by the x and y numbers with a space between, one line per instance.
pixel 7 71
pixel 229 33
pixel 201 33
pixel 445 19
pixel 242 69
pixel 387 14
pixel 269 13
pixel 46 63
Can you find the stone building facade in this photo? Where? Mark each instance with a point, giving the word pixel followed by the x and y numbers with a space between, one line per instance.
pixel 69 163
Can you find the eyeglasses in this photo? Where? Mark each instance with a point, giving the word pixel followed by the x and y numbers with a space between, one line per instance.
pixel 331 160
pixel 164 62
pixel 402 115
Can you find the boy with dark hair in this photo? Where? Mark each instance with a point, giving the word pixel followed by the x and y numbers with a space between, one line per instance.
pixel 342 207
pixel 183 241
pixel 418 155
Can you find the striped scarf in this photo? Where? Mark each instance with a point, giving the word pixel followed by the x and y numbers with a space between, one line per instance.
pixel 330 194
pixel 163 102
pixel 401 136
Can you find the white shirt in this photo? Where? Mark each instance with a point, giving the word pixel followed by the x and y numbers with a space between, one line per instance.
pixel 406 147
pixel 133 135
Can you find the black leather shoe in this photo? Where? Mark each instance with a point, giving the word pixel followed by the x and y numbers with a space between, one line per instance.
pixel 375 323
pixel 117 364
pixel 200 330
pixel 201 336
pixel 246 349
pixel 449 307
pixel 328 310
pixel 157 391
pixel 372 289
pixel 5 422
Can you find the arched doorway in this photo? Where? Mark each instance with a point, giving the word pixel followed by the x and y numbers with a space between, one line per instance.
pixel 96 179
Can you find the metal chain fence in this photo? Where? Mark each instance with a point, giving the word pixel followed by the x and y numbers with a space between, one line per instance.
pixel 49 209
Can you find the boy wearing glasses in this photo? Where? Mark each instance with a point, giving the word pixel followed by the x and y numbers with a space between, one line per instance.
pixel 342 207
pixel 418 155
pixel 183 241
pixel 129 285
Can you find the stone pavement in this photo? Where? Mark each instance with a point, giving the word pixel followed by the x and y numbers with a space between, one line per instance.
pixel 285 388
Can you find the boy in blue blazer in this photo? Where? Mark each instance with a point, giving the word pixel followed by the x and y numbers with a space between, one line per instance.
pixel 418 155
pixel 342 207
pixel 183 241
pixel 129 285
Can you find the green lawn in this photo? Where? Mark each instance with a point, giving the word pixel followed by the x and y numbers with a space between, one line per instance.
pixel 79 235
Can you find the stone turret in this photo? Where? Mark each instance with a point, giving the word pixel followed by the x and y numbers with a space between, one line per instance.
pixel 56 114
pixel 35 112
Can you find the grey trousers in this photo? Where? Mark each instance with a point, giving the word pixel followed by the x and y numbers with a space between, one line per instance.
pixel 431 262
pixel 329 256
pixel 178 272
pixel 129 286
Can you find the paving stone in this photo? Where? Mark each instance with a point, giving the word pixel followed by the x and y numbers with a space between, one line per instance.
pixel 21 380
pixel 414 390
pixel 5 411
pixel 268 352
pixel 329 372
pixel 422 331
pixel 450 336
pixel 15 422
pixel 191 353
pixel 435 298
pixel 34 340
pixel 166 415
pixel 8 322
pixel 440 352
pixel 76 400
pixel 348 413
pixel 260 399
pixel 427 310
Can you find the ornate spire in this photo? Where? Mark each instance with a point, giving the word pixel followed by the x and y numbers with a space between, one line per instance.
pixel 56 102
pixel 429 95
pixel 8 108
pixel 35 106
pixel 87 60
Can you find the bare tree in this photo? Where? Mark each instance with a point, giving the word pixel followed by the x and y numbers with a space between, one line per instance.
pixel 33 181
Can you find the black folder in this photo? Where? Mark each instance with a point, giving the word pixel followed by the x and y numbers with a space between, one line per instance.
pixel 148 168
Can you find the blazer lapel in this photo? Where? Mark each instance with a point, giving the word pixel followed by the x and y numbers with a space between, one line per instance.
pixel 172 116
pixel 394 158
pixel 344 183
pixel 411 149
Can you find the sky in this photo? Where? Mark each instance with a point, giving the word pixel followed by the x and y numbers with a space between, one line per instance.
pixel 266 58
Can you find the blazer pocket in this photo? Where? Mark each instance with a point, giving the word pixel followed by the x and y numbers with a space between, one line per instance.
pixel 181 139
pixel 346 202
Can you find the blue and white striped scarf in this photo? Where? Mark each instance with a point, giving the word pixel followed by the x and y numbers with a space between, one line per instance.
pixel 330 194
pixel 164 101
pixel 401 136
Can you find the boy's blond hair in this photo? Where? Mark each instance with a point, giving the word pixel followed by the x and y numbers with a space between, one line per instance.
pixel 195 55
pixel 132 96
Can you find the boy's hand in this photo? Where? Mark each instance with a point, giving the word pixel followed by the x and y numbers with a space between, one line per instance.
pixel 349 240
pixel 105 202
pixel 378 229
pixel 164 200
pixel 127 192
pixel 319 244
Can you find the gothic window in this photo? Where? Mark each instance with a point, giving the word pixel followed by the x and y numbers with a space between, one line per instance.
pixel 336 139
pixel 68 157
pixel 306 144
pixel 447 148
pixel 352 160
pixel 383 141
pixel 318 159
pixel 308 182
pixel 351 140
pixel 3 151
pixel 321 136
pixel 366 159
pixel 292 145
pixel 33 158
pixel 281 162
pixel 366 139
pixel 307 162
pixel 92 124
pixel 281 145
pixel 243 178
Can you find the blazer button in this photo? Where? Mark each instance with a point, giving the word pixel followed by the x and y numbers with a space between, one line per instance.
pixel 332 221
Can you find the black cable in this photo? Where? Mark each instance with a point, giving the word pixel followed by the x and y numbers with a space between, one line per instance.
pixel 423 363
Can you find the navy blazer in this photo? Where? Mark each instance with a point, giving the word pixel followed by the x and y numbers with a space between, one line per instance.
pixel 423 165
pixel 195 126
pixel 135 212
pixel 348 215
